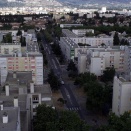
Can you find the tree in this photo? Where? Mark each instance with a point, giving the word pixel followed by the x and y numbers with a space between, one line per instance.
pixel 19 33
pixel 38 37
pixel 56 49
pixel 84 78
pixel 116 40
pixel 48 119
pixel 117 123
pixel 7 38
pixel 70 121
pixel 47 36
pixel 62 100
pixel 108 74
pixel 22 40
pixel 53 81
pixel 44 117
pixel 89 34
pixel 98 96
pixel 71 66
pixel 72 69
pixel 124 42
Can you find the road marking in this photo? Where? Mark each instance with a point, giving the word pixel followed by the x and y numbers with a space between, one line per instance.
pixel 49 51
pixel 57 60
pixel 54 63
pixel 73 109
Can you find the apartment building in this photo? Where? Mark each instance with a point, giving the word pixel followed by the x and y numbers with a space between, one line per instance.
pixel 68 33
pixel 121 101
pixel 19 99
pixel 22 62
pixel 107 15
pixel 9 48
pixel 127 60
pixel 82 32
pixel 92 41
pixel 70 25
pixel 68 47
pixel 98 59
pixel 15 58
pixel 91 15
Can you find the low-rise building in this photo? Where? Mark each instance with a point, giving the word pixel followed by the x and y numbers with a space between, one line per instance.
pixel 19 99
pixel 70 25
pixel 92 41
pixel 82 32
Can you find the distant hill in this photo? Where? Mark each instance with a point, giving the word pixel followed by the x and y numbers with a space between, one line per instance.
pixel 86 3
pixel 122 3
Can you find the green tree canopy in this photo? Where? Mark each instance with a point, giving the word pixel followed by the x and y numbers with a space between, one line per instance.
pixel 53 81
pixel 84 78
pixel 19 33
pixel 116 40
pixel 48 119
pixel 71 66
pixel 98 96
pixel 108 74
pixel 7 38
pixel 117 123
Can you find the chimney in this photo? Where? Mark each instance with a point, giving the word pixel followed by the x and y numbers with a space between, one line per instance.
pixel 15 101
pixel 31 87
pixel 7 90
pixel 5 118
pixel 14 74
pixel 1 105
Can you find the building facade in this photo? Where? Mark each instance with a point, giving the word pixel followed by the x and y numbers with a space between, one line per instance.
pixel 121 101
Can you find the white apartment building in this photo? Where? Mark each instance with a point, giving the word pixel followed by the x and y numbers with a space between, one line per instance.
pixel 10 48
pixel 107 15
pixel 92 15
pixel 127 59
pixel 24 62
pixel 68 47
pixel 70 25
pixel 121 101
pixel 98 59
pixel 82 32
pixel 94 41
pixel 15 58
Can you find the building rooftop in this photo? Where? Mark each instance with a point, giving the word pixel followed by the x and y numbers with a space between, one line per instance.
pixel 23 54
pixel 32 46
pixel 22 77
pixel 10 43
pixel 69 33
pixel 68 41
pixel 30 31
pixel 13 120
pixel 46 94
pixel 8 101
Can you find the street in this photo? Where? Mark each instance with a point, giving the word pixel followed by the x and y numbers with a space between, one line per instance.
pixel 65 89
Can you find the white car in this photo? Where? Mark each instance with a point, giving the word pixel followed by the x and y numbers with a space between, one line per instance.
pixel 62 82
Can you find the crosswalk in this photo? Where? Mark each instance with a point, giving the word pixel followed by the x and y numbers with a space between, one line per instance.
pixel 73 109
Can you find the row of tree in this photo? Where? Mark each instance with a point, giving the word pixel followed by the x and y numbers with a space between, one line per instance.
pixel 117 123
pixel 53 81
pixel 72 69
pixel 48 119
pixel 57 51
pixel 99 95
